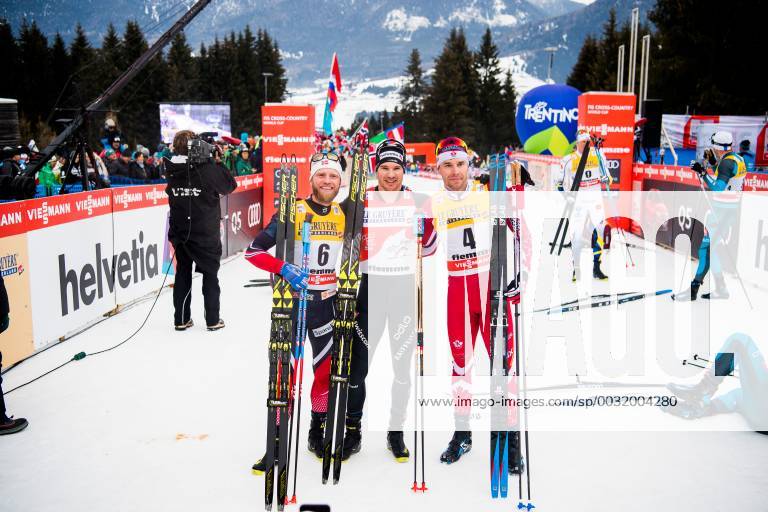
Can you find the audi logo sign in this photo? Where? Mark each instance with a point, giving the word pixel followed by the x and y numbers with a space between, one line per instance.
pixel 254 215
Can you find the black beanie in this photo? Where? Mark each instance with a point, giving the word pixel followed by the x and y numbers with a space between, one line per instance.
pixel 390 150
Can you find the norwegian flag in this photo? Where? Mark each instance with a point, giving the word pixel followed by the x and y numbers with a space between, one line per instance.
pixel 334 87
pixel 360 135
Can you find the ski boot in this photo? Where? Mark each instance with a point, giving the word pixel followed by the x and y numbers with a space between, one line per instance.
pixel 576 274
pixel 721 292
pixel 396 445
pixel 597 273
pixel 13 425
pixel 316 433
pixel 689 294
pixel 460 443
pixel 260 467
pixel 514 456
pixel 352 438
pixel 184 326
pixel 704 389
pixel 218 325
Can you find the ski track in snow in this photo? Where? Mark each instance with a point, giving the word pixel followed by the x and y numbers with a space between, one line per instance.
pixel 172 421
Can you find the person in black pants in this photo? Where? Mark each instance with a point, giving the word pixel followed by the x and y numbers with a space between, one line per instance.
pixel 388 263
pixel 194 190
pixel 7 425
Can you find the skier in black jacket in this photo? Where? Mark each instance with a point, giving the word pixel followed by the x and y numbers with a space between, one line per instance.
pixel 193 192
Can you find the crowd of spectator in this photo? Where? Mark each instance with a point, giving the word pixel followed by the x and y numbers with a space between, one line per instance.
pixel 117 163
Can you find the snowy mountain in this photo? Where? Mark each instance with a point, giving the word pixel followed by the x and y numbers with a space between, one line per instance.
pixel 566 32
pixel 559 7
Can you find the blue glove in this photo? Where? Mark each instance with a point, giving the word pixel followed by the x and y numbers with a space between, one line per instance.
pixel 295 276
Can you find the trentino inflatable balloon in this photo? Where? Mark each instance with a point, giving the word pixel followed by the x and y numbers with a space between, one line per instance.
pixel 546 120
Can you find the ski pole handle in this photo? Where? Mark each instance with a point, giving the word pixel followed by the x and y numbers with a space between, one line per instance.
pixel 418 228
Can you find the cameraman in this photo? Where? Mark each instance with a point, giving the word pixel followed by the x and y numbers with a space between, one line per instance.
pixel 194 188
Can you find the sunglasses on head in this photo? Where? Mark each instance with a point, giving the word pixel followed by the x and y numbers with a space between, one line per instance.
pixel 449 143
pixel 325 156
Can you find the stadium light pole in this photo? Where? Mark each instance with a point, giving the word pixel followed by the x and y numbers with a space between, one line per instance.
pixel 620 70
pixel 635 20
pixel 551 50
pixel 266 83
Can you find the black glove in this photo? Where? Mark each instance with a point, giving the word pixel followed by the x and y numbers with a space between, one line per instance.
pixel 484 179
pixel 710 157
pixel 697 168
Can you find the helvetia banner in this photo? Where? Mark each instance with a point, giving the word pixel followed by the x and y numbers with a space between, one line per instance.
pixel 547 118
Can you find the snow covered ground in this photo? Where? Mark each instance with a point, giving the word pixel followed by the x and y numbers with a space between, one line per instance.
pixel 173 421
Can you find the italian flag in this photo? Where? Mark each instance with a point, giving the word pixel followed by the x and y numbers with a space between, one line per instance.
pixel 397 132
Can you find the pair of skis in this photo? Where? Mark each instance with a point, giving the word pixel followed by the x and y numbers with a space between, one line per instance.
pixel 499 323
pixel 600 300
pixel 344 323
pixel 280 341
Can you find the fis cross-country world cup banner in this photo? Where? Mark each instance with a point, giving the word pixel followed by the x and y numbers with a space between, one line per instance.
pixel 546 120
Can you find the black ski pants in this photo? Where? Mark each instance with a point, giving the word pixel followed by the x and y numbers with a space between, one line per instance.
pixel 384 301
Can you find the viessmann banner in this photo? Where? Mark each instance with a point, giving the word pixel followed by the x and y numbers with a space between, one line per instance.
pixel 287 130
pixel 67 260
pixel 611 116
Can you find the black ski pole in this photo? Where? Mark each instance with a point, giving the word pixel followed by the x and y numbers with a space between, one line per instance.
pixel 562 227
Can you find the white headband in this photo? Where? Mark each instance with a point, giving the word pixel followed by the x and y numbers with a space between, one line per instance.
pixel 452 155
pixel 325 163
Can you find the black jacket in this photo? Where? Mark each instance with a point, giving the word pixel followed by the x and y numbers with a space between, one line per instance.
pixel 4 305
pixel 137 172
pixel 193 196
pixel 119 168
